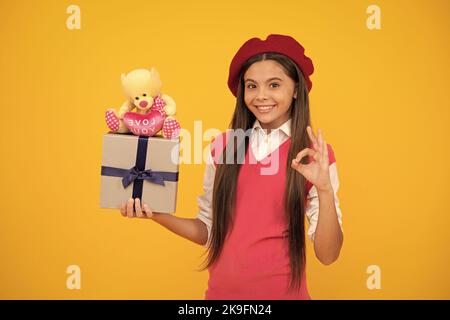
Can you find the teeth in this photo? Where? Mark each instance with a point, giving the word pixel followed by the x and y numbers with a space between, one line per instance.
pixel 264 108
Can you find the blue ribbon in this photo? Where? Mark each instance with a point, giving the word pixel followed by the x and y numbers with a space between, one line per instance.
pixel 134 174
pixel 137 173
pixel 130 175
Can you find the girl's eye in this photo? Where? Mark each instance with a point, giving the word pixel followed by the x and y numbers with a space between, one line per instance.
pixel 276 85
pixel 137 98
pixel 144 94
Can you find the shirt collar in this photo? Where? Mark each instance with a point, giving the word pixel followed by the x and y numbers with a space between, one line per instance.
pixel 285 127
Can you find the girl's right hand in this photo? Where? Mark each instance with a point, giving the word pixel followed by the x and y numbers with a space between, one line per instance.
pixel 127 209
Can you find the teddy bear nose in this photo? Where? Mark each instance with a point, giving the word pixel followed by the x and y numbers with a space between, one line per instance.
pixel 143 104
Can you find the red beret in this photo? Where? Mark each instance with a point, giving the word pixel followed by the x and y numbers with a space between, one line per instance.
pixel 278 43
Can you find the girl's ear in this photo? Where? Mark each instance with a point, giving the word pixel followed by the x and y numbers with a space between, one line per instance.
pixel 295 93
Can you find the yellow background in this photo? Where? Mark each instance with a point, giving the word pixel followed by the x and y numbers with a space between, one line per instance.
pixel 380 96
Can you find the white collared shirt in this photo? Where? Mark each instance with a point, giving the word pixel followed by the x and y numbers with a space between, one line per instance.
pixel 263 144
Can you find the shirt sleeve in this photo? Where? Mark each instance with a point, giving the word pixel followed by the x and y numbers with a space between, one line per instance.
pixel 312 207
pixel 205 200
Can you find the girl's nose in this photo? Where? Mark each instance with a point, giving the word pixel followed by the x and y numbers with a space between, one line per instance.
pixel 143 104
pixel 261 95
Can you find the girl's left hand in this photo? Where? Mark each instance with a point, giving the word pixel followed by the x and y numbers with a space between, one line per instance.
pixel 316 171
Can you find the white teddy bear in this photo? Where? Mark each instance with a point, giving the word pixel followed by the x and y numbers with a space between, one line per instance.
pixel 142 88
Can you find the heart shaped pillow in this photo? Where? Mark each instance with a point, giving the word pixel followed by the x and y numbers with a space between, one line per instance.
pixel 144 124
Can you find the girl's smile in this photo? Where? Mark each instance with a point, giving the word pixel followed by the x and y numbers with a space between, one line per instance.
pixel 265 108
pixel 268 93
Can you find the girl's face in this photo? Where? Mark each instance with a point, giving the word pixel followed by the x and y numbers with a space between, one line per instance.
pixel 268 93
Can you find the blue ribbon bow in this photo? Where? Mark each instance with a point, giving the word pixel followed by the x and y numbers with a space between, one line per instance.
pixel 134 174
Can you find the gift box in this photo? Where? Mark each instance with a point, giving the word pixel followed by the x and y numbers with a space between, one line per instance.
pixel 139 167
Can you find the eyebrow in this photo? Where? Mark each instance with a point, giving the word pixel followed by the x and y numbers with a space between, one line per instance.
pixel 274 78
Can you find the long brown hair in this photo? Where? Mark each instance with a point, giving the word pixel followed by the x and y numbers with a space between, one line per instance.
pixel 225 182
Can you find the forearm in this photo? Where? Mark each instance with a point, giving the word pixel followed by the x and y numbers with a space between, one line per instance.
pixel 328 236
pixel 191 229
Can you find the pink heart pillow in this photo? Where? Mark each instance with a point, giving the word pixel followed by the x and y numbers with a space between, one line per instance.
pixel 144 124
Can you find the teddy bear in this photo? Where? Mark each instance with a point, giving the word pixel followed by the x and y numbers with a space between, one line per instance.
pixel 154 110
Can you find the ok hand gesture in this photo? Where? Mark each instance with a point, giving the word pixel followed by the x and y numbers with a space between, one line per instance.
pixel 316 171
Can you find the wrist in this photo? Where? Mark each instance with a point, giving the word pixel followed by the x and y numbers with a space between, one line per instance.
pixel 325 190
pixel 155 216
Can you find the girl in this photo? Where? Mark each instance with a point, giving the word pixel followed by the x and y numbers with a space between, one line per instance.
pixel 251 220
